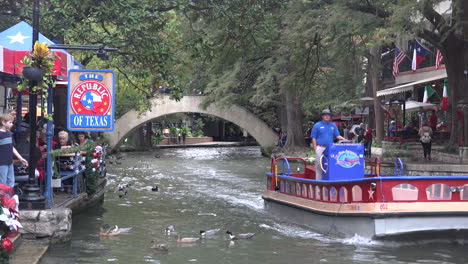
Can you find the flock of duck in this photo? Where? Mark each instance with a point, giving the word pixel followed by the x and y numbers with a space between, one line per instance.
pixel 107 230
pixel 170 231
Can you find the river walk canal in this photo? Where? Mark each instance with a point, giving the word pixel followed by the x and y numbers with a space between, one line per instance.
pixel 210 188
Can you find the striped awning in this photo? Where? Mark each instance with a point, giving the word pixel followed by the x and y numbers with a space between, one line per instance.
pixel 410 86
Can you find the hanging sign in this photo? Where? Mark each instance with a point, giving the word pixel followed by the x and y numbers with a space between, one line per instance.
pixel 362 110
pixel 91 100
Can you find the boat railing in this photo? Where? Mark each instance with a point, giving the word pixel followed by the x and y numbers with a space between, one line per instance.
pixel 399 169
pixel 379 189
pixel 374 167
pixel 69 167
pixel 285 169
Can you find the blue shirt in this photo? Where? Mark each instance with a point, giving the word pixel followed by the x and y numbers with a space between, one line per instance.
pixel 324 133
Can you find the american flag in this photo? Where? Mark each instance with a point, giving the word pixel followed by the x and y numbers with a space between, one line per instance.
pixel 399 58
pixel 439 59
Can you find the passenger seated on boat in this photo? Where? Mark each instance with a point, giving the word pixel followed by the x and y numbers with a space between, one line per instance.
pixel 42 145
pixel 83 138
pixel 323 134
pixel 63 140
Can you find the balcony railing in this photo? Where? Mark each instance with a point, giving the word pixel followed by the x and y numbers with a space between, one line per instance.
pixel 405 66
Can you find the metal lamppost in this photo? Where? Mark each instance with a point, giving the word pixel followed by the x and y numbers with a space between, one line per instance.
pixel 31 197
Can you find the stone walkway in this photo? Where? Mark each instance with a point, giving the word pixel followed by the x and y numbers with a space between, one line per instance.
pixel 30 252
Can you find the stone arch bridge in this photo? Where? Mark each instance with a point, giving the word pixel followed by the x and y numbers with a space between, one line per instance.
pixel 162 106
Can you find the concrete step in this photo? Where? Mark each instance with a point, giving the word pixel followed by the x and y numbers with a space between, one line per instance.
pixel 16 240
pixel 29 252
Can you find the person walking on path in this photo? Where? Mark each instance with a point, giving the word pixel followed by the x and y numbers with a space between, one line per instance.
pixel 323 133
pixel 7 174
pixel 425 133
pixel 368 142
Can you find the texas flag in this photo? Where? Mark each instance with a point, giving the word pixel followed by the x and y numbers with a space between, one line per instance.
pixel 91 100
pixel 419 54
pixel 18 39
pixel 6 60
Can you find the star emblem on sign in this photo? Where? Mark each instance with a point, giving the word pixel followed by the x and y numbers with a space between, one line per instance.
pixel 88 100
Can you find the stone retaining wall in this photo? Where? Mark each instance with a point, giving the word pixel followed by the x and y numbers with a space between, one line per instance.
pixel 54 224
pixel 412 151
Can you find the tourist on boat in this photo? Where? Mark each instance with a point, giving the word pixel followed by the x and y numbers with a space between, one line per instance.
pixel 7 150
pixel 64 141
pixel 425 133
pixel 83 138
pixel 323 134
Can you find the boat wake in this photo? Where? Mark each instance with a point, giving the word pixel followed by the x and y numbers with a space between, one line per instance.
pixel 295 231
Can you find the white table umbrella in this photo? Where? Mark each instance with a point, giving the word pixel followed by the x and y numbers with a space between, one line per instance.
pixel 412 106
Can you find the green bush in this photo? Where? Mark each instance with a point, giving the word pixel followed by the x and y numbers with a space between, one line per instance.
pixel 157 139
pixel 450 148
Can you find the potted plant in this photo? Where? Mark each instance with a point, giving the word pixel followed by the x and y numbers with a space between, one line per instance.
pixel 38 66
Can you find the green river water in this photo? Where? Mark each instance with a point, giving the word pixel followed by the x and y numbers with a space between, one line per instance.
pixel 208 188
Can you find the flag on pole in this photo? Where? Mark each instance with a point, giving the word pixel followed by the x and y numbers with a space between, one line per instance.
pixel 399 58
pixel 419 54
pixel 428 92
pixel 445 100
pixel 439 59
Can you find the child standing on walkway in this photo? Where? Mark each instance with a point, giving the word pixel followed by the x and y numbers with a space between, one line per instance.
pixel 7 175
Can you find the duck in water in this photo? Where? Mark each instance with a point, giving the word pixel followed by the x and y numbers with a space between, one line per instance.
pixel 160 247
pixel 208 233
pixel 239 236
pixel 170 231
pixel 106 230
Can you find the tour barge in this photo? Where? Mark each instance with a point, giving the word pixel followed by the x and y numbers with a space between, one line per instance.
pixel 349 202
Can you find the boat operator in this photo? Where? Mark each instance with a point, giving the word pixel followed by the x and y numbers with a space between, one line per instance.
pixel 323 133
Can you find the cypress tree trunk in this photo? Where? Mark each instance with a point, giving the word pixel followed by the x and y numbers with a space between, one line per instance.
pixel 374 73
pixel 295 139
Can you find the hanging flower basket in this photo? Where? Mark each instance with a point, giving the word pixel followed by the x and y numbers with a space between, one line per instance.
pixel 33 73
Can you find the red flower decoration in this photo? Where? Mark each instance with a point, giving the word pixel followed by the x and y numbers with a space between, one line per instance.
pixel 7 245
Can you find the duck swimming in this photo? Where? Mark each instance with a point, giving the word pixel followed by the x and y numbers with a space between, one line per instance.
pixel 113 231
pixel 239 236
pixel 170 230
pixel 210 232
pixel 159 247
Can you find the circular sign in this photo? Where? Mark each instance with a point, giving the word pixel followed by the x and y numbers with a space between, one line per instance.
pixel 90 98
